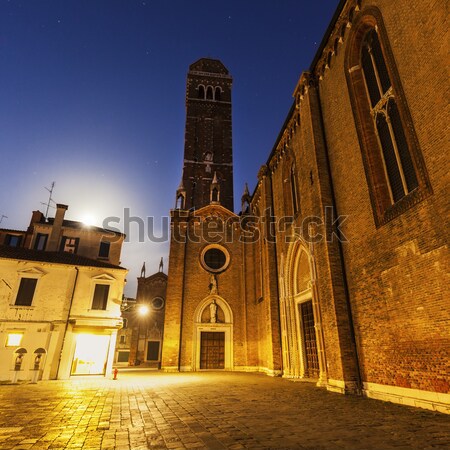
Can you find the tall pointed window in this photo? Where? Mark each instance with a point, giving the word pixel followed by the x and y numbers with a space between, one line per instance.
pixel 393 163
pixel 397 162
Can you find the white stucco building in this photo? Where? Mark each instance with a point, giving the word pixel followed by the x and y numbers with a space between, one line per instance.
pixel 59 314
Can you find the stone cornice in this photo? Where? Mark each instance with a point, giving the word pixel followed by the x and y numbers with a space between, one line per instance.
pixel 336 37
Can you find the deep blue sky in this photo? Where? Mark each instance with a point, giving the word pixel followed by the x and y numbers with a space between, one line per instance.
pixel 92 97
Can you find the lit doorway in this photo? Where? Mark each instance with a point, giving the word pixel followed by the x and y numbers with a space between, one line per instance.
pixel 91 354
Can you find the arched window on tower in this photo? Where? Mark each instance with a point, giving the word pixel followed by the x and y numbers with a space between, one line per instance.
pixel 215 195
pixel 201 91
pixel 217 94
pixel 209 93
pixel 180 202
pixel 394 166
pixel 208 159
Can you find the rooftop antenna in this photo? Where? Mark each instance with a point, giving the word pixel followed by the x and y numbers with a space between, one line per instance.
pixel 3 217
pixel 50 199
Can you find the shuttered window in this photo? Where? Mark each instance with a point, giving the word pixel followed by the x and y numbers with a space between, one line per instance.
pixel 101 293
pixel 26 291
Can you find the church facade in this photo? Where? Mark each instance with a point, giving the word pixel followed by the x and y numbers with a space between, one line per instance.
pixel 334 270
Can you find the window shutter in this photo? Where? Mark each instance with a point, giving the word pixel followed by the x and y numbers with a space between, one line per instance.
pixel 100 299
pixel 26 291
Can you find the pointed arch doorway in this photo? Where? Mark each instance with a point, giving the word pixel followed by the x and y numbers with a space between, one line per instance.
pixel 303 348
pixel 213 335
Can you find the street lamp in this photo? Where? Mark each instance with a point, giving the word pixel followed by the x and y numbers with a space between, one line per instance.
pixel 142 311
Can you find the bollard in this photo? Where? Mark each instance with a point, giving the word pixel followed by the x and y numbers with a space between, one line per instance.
pixel 115 372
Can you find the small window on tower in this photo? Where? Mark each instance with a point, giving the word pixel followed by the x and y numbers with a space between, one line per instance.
pixel 217 94
pixel 209 93
pixel 201 92
pixel 180 202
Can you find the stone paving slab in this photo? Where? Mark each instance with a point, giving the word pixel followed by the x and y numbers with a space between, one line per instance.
pixel 145 410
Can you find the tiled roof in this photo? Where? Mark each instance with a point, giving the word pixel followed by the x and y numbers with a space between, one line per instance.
pixel 25 254
pixel 209 65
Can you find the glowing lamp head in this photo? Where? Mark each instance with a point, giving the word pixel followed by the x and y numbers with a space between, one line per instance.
pixel 143 310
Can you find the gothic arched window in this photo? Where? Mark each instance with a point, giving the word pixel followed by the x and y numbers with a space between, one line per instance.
pixel 215 195
pixel 209 93
pixel 217 94
pixel 399 168
pixel 394 167
pixel 180 201
pixel 201 92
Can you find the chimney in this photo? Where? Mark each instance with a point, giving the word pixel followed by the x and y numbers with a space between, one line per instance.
pixel 52 245
pixel 37 217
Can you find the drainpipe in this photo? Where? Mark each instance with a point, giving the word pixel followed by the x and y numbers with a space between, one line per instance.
pixel 340 248
pixel 67 322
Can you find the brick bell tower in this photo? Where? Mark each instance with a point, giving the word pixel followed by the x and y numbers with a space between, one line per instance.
pixel 208 145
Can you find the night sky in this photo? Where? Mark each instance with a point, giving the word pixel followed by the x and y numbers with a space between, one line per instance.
pixel 92 96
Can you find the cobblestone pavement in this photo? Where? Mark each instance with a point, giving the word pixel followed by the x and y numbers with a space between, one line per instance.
pixel 145 410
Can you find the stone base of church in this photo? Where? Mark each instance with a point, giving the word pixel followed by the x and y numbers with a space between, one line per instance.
pixel 434 401
pixel 342 387
pixel 265 370
pixel 254 369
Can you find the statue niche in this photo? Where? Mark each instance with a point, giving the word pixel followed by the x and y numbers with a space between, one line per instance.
pixel 213 313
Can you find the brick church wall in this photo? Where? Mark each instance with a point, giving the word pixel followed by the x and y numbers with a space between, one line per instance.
pixel 380 296
pixel 395 272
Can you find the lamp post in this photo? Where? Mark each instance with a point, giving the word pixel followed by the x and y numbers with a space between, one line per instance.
pixel 142 311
